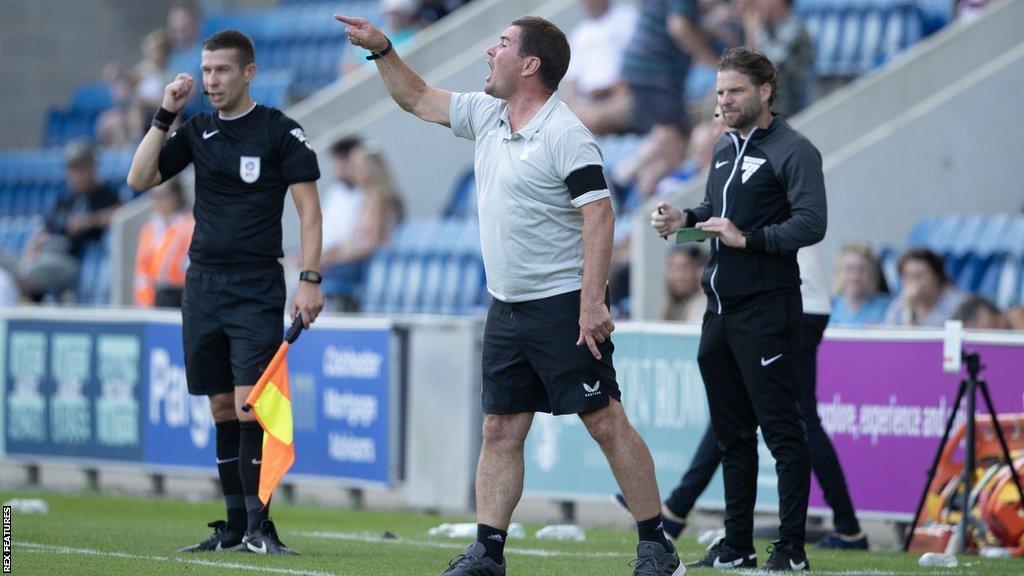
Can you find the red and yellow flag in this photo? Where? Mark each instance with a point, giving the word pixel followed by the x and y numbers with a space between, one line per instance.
pixel 271 402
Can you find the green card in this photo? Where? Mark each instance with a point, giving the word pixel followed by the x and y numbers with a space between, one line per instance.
pixel 687 235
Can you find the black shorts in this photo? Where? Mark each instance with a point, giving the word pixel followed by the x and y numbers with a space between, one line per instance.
pixel 531 362
pixel 652 107
pixel 232 323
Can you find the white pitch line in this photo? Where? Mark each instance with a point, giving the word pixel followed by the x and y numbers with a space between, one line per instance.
pixel 34 547
pixel 372 539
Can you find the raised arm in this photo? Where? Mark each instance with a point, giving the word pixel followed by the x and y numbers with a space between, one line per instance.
pixel 404 85
pixel 144 172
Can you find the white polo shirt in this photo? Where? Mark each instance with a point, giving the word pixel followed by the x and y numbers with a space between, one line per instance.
pixel 531 230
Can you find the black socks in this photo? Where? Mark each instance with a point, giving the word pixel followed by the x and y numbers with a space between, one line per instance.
pixel 250 456
pixel 228 434
pixel 493 541
pixel 652 530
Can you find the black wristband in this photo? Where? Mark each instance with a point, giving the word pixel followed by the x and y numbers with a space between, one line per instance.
pixel 163 119
pixel 382 53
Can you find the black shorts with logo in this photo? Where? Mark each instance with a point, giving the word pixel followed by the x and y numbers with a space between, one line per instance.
pixel 531 362
pixel 232 324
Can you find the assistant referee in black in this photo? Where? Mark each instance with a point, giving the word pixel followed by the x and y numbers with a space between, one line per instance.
pixel 246 156
pixel 764 200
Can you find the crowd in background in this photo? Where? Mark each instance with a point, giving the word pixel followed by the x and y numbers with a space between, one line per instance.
pixel 644 68
pixel 861 298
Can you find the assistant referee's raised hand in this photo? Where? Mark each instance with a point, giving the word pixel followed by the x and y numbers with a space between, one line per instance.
pixel 176 93
pixel 363 34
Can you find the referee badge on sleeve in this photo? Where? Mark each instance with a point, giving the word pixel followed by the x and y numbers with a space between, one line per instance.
pixel 249 169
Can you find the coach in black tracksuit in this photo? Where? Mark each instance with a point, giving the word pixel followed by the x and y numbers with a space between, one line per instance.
pixel 765 199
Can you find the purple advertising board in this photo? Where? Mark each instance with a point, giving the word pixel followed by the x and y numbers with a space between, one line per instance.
pixel 884 400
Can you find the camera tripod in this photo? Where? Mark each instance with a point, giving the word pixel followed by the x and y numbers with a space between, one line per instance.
pixel 968 387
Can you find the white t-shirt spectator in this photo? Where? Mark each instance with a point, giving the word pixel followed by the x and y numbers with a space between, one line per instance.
pixel 597 46
pixel 342 207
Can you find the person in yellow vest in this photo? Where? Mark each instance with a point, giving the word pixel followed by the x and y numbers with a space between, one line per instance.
pixel 162 255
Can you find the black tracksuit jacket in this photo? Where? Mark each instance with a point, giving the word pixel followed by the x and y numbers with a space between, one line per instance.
pixel 772 188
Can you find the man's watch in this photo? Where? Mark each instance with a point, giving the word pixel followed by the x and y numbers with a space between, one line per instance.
pixel 311 276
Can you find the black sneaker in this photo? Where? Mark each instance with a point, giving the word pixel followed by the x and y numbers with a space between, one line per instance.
pixel 266 541
pixel 474 562
pixel 724 557
pixel 222 540
pixel 786 557
pixel 653 559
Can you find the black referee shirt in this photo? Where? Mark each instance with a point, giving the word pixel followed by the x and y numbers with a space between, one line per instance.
pixel 244 167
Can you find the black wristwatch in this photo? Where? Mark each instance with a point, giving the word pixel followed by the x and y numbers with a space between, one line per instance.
pixel 311 276
pixel 382 53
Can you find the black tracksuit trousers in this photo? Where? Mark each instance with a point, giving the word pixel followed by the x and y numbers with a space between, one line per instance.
pixel 746 359
pixel 824 461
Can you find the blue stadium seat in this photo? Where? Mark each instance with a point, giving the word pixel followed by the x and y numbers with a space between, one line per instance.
pixel 376 282
pixel 1008 289
pixel 92 98
pixel 987 243
pixel 462 203
pixel 888 258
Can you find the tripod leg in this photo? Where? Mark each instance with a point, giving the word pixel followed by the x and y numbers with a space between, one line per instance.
pixel 1002 439
pixel 969 461
pixel 935 463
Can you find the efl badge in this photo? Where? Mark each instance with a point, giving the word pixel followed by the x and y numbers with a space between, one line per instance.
pixel 249 169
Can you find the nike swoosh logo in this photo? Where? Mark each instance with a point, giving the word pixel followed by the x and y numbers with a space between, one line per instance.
pixel 256 462
pixel 770 360
pixel 262 549
pixel 226 460
pixel 720 164
pixel 719 564
pixel 796 566
pixel 208 135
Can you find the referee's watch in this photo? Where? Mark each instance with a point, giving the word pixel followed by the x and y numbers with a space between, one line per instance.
pixel 311 276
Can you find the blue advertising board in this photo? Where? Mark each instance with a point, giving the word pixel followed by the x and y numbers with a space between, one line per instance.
pixel 179 427
pixel 73 389
pixel 340 381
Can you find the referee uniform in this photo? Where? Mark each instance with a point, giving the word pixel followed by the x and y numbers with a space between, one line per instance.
pixel 770 185
pixel 233 305
pixel 234 299
pixel 531 185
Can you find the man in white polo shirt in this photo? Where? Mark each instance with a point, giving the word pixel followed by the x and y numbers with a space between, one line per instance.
pixel 546 233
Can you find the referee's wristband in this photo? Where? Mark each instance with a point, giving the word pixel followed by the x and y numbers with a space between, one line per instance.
pixel 163 119
pixel 382 53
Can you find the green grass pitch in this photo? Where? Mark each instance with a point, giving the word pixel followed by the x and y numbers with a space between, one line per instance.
pixel 86 534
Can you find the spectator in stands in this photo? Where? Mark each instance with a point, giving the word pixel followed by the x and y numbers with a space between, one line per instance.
pixel 117 125
pixel 150 76
pixel 861 296
pixel 774 28
pixel 667 38
pixel 380 211
pixel 927 298
pixel 162 253
pixel 400 20
pixel 183 22
pixel 1015 317
pixel 49 264
pixel 597 45
pixel 977 313
pixel 686 300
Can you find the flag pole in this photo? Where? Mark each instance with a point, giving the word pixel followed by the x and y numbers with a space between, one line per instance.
pixel 289 338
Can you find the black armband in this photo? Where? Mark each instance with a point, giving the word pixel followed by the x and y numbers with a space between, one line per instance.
pixel 163 119
pixel 585 179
